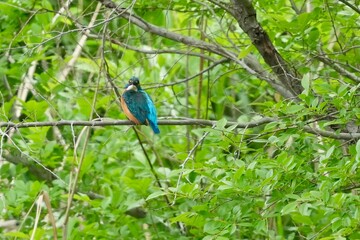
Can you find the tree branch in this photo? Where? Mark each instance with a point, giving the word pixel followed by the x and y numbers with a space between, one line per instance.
pixel 331 134
pixel 342 71
pixel 155 51
pixel 245 14
pixel 148 27
pixel 39 172
pixel 101 123
pixel 179 122
pixel 212 48
pixel 353 7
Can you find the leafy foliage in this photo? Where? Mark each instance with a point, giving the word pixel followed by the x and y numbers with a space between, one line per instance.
pixel 285 179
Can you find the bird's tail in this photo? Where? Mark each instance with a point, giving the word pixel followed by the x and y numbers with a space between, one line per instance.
pixel 154 127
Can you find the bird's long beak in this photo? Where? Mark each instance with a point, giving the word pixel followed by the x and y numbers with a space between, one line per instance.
pixel 131 87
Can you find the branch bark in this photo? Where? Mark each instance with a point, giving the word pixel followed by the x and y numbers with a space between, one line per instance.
pixel 245 15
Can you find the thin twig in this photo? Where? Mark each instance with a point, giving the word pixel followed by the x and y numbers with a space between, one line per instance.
pixel 38 162
pixel 189 52
pixel 191 77
pixel 23 92
pixel 152 169
pixel 189 156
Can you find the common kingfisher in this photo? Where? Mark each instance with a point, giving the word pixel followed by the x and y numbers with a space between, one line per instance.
pixel 138 106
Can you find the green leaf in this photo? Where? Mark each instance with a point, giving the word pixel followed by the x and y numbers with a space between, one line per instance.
pixel 289 208
pixel 213 227
pixel 87 164
pixel 357 157
pixel 87 65
pixel 301 219
pixel 155 195
pixel 294 109
pixel 190 219
pixel 329 152
pixel 232 127
pixel 221 123
pixel 35 110
pixel 17 234
pixel 246 51
pixel 305 82
pixel 271 181
pixel 270 126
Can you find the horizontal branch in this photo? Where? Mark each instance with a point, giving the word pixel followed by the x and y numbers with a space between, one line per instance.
pixel 330 134
pixel 179 122
pixel 98 123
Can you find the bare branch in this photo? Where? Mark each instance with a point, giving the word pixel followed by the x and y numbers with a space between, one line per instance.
pixel 294 7
pixel 189 156
pixel 331 134
pixel 101 123
pixel 148 27
pixel 179 122
pixel 344 72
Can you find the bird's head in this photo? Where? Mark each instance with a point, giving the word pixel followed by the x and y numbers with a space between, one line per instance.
pixel 134 84
pixel 134 81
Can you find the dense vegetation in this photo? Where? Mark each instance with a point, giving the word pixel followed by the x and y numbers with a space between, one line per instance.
pixel 258 105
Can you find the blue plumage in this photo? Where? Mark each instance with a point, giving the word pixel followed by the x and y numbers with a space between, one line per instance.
pixel 138 106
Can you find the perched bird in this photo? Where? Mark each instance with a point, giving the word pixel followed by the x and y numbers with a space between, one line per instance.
pixel 138 106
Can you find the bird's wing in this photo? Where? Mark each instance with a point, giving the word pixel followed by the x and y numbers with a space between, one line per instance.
pixel 152 115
